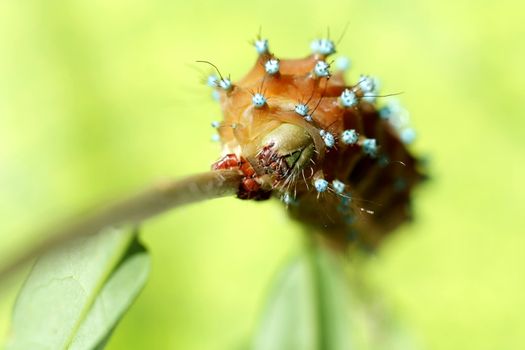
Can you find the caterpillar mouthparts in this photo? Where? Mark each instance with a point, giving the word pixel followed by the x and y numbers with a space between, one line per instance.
pixel 298 132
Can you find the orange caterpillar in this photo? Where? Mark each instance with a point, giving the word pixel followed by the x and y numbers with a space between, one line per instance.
pixel 299 132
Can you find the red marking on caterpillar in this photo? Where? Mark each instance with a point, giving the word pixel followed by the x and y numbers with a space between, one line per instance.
pixel 250 188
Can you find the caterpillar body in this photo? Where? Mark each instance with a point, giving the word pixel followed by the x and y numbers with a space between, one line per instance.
pixel 298 132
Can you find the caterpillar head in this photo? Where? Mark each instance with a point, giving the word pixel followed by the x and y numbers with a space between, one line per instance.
pixel 299 132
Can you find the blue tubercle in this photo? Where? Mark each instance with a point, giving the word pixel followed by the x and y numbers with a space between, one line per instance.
pixel 344 205
pixel 339 186
pixel 212 80
pixel 345 201
pixel 261 46
pixel 321 185
pixel 349 137
pixel 322 69
pixel 367 83
pixel 225 84
pixel 408 135
pixel 370 147
pixel 348 98
pixel 343 63
pixel 392 109
pixel 323 47
pixel 258 100
pixel 301 109
pixel 287 199
pixel 328 138
pixel 272 66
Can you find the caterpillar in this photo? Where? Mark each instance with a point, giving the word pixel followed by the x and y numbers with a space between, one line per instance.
pixel 298 132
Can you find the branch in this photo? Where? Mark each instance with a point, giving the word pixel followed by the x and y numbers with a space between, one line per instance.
pixel 142 206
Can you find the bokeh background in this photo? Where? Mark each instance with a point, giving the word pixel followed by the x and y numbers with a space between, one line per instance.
pixel 99 98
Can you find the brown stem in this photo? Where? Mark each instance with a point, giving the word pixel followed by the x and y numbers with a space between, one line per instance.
pixel 133 210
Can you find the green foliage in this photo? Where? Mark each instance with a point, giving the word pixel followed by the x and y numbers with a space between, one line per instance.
pixel 74 298
pixel 309 307
pixel 315 304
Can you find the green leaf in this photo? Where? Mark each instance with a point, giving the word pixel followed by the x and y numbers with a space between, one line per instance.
pixel 309 307
pixel 333 302
pixel 74 298
pixel 289 318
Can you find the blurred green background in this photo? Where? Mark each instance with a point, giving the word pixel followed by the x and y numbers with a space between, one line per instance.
pixel 99 98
